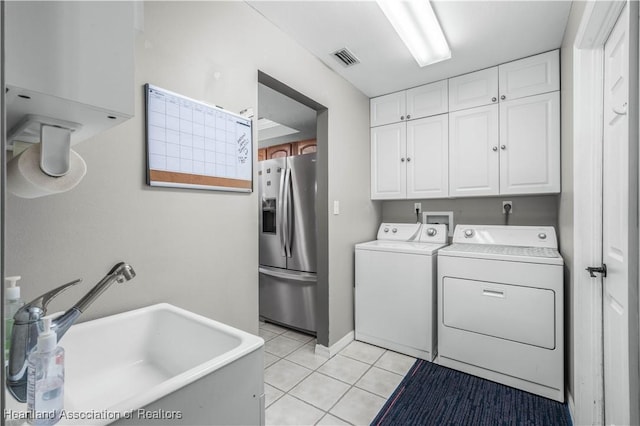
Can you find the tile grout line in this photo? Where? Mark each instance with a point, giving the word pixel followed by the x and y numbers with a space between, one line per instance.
pixel 315 370
pixel 351 386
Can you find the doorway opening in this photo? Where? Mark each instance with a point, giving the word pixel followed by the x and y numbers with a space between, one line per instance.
pixel 292 125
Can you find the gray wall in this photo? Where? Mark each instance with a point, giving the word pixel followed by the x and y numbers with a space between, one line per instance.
pixel 3 185
pixel 195 249
pixel 530 210
pixel 565 207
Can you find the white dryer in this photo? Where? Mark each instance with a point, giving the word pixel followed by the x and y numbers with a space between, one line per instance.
pixel 500 304
pixel 395 288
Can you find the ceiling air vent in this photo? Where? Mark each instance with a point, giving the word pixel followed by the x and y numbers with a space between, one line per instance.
pixel 347 57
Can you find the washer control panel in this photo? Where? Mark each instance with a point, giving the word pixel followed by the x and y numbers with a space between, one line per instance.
pixel 398 231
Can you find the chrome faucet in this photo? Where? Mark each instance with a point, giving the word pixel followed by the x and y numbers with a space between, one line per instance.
pixel 27 324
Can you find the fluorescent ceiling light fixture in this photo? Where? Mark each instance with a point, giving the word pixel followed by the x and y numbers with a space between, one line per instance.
pixel 268 129
pixel 418 28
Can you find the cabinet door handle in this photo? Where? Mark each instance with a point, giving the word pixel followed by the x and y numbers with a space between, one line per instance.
pixel 408 116
pixel 408 159
pixel 402 159
pixel 503 147
pixel 503 97
pixel 402 117
pixel 494 99
pixel 495 148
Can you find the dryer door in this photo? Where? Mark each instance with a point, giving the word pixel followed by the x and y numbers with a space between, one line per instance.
pixel 511 312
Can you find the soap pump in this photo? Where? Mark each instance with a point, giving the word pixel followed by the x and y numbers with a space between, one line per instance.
pixel 45 378
pixel 12 303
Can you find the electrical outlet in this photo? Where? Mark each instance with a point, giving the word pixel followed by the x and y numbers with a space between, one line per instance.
pixel 507 207
pixel 417 207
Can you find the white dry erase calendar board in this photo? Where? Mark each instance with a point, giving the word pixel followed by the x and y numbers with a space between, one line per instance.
pixel 194 145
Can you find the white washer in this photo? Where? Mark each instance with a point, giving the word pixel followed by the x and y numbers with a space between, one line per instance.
pixel 395 303
pixel 500 306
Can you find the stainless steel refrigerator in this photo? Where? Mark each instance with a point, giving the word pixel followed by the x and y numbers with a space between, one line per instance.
pixel 288 265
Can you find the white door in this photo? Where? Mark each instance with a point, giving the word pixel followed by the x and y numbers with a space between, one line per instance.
pixel 387 109
pixel 473 89
pixel 530 145
pixel 473 152
pixel 616 225
pixel 388 161
pixel 428 157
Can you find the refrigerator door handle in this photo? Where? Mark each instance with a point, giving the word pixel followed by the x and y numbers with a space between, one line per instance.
pixel 289 212
pixel 289 275
pixel 281 213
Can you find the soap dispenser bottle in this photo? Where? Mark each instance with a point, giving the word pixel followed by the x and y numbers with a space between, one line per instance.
pixel 45 378
pixel 12 303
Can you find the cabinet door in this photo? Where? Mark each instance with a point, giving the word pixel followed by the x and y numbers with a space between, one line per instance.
pixel 278 151
pixel 304 147
pixel 474 89
pixel 388 109
pixel 388 161
pixel 425 101
pixel 428 157
pixel 473 152
pixel 77 51
pixel 262 154
pixel 530 76
pixel 530 145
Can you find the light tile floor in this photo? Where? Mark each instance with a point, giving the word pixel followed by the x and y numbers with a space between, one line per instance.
pixel 303 388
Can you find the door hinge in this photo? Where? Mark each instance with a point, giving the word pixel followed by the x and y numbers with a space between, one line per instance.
pixel 597 269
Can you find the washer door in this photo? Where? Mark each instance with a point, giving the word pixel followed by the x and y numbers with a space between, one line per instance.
pixel 394 299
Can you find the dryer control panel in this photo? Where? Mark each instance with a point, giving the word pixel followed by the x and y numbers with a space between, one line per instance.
pixel 525 236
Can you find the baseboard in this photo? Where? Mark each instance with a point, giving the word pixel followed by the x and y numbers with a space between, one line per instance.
pixel 572 407
pixel 332 350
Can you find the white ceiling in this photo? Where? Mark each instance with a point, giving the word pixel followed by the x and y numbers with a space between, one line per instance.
pixel 282 109
pixel 480 33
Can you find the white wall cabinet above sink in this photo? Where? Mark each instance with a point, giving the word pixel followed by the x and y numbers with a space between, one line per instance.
pixel 70 61
pixel 410 160
pixel 418 102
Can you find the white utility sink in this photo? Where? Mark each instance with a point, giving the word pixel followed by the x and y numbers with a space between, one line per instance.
pixel 160 365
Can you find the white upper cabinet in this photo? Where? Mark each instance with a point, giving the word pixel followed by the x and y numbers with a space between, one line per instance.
pixel 473 152
pixel 530 76
pixel 70 62
pixel 425 101
pixel 388 161
pixel 388 109
pixel 473 89
pixel 428 157
pixel 530 145
pixel 419 102
pixel 80 51
pixel 410 160
pixel 501 135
